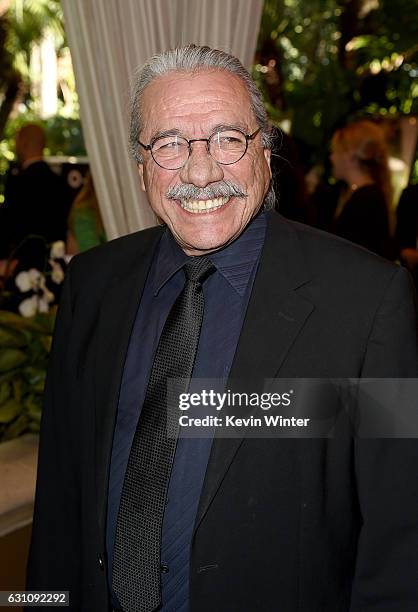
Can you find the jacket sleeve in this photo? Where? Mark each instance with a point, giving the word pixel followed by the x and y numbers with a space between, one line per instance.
pixel 386 575
pixel 54 558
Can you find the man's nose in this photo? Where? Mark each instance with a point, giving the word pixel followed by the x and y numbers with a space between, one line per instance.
pixel 201 169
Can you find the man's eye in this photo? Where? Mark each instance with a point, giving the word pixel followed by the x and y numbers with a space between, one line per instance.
pixel 228 139
pixel 229 142
pixel 168 144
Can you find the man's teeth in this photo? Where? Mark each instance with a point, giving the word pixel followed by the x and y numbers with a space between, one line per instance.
pixel 198 206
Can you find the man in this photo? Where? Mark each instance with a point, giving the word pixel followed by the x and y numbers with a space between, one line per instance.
pixel 223 524
pixel 36 202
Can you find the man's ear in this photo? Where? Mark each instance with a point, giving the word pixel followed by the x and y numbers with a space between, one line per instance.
pixel 267 155
pixel 141 176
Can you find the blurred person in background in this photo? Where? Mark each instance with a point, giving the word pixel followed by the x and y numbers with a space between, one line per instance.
pixel 85 226
pixel 360 159
pixel 407 229
pixel 36 203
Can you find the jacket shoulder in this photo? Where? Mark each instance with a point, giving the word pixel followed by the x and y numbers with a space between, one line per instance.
pixel 332 254
pixel 103 263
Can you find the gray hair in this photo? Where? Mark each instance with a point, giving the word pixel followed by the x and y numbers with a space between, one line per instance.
pixel 191 59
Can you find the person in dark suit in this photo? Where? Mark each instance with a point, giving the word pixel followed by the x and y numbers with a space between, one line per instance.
pixel 36 202
pixel 359 158
pixel 407 229
pixel 243 523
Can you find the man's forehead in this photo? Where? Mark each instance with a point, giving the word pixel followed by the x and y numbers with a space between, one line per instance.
pixel 208 97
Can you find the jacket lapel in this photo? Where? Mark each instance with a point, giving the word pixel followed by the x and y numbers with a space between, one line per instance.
pixel 116 320
pixel 275 316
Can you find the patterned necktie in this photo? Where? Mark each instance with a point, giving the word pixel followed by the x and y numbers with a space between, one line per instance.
pixel 136 556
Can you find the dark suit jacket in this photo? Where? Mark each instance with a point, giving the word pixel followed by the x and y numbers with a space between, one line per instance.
pixel 364 221
pixel 319 525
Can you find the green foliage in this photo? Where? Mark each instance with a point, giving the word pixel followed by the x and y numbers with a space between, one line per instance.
pixel 64 136
pixel 27 22
pixel 24 24
pixel 24 349
pixel 323 62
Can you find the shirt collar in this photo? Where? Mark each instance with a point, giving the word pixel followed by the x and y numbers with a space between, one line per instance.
pixel 235 262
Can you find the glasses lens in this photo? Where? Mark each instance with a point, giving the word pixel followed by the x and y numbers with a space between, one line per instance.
pixel 170 152
pixel 227 147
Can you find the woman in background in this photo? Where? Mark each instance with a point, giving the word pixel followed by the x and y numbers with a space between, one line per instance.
pixel 360 159
pixel 85 227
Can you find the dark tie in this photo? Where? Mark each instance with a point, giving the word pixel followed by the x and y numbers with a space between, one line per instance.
pixel 136 556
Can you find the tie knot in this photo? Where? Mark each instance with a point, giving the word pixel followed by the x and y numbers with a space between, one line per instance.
pixel 197 269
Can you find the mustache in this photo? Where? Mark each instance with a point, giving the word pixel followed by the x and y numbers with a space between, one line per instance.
pixel 188 191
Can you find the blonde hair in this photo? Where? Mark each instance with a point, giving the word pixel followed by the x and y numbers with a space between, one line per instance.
pixel 366 141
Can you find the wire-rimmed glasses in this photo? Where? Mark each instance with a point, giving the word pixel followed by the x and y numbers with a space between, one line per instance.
pixel 226 147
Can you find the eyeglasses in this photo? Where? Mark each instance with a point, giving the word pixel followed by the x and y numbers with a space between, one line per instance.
pixel 226 147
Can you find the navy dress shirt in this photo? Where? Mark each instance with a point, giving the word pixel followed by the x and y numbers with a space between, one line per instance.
pixel 226 293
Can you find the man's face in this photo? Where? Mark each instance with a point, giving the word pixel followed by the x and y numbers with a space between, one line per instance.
pixel 195 105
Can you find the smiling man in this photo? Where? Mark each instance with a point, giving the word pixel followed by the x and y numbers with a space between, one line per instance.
pixel 128 517
pixel 214 110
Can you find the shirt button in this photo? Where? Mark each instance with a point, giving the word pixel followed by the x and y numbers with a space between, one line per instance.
pixel 164 568
pixel 101 562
